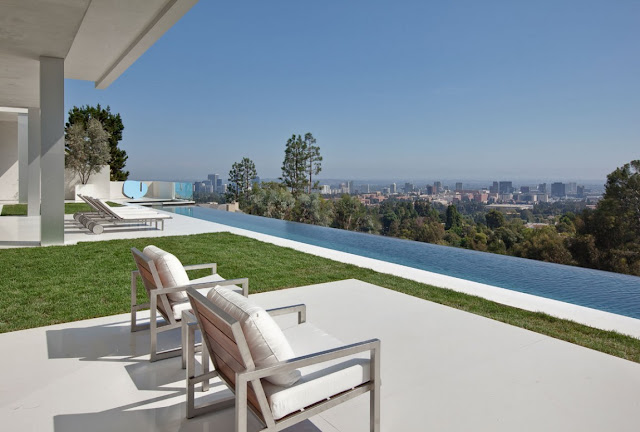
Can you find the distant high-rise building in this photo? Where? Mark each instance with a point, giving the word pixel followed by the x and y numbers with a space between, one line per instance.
pixel 558 189
pixel 525 189
pixel 350 187
pixel 386 191
pixel 580 191
pixel 365 188
pixel 506 187
pixel 325 189
pixel 437 187
pixel 408 187
pixel 458 186
pixel 495 188
pixel 542 188
pixel 429 189
pixel 392 188
pixel 571 188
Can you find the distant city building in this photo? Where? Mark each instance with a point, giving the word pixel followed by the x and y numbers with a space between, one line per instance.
pixel 392 188
pixel 365 189
pixel 571 188
pixel 458 186
pixel 408 187
pixel 386 191
pixel 506 187
pixel 495 188
pixel 580 191
pixel 325 189
pixel 429 189
pixel 542 188
pixel 437 187
pixel 558 189
pixel 525 189
pixel 350 188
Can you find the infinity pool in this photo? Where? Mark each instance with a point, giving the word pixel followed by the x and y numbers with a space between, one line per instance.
pixel 611 292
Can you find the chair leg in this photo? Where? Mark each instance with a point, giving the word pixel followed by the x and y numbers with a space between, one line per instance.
pixel 374 394
pixel 241 406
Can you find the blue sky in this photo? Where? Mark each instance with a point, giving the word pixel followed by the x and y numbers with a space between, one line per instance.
pixel 390 89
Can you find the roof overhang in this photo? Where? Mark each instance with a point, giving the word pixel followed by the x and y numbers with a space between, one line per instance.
pixel 99 40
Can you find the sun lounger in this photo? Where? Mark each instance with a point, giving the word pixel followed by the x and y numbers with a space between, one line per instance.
pixel 116 215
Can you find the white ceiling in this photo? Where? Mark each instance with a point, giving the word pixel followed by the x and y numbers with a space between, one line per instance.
pixel 98 39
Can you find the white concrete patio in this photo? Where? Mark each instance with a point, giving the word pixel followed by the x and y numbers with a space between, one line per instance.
pixel 442 370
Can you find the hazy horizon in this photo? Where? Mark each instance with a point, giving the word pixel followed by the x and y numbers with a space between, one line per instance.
pixel 410 89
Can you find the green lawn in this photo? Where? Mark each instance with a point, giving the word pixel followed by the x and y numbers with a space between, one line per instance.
pixel 69 208
pixel 42 286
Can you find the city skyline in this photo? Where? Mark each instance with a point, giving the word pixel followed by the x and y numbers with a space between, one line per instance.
pixel 493 90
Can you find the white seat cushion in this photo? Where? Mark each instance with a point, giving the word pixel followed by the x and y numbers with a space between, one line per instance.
pixel 170 270
pixel 265 339
pixel 320 381
pixel 178 307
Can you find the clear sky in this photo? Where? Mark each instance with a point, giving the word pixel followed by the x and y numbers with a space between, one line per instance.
pixel 390 89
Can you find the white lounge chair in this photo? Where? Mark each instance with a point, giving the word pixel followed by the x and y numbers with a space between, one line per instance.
pixel 165 280
pixel 252 357
pixel 117 215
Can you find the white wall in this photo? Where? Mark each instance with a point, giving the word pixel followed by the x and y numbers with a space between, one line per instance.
pixel 8 160
pixel 100 187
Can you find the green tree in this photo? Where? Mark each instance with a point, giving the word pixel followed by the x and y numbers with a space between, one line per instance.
pixel 112 123
pixel 241 177
pixel 294 166
pixel 453 219
pixel 272 200
pixel 86 149
pixel 312 209
pixel 495 219
pixel 314 160
pixel 351 214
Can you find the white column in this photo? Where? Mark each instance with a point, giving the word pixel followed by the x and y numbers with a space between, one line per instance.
pixel 33 199
pixel 23 156
pixel 52 150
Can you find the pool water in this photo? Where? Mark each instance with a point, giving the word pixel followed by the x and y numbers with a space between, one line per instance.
pixel 611 292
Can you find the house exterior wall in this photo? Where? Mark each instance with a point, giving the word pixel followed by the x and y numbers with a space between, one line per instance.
pixel 8 160
pixel 97 187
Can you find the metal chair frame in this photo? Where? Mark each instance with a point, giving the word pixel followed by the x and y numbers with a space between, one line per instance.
pixel 227 347
pixel 159 303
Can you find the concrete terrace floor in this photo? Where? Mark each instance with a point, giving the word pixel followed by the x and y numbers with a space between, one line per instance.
pixel 442 370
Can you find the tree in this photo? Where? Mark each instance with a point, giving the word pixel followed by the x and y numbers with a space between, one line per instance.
pixel 294 166
pixel 241 177
pixel 495 219
pixel 112 123
pixel 86 149
pixel 314 160
pixel 453 218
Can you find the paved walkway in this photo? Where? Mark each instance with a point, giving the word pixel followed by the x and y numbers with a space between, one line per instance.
pixel 442 370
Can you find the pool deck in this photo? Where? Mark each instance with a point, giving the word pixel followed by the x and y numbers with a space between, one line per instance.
pixel 442 370
pixel 24 231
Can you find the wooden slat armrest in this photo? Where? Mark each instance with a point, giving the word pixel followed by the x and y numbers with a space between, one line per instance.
pixel 212 266
pixel 301 309
pixel 315 358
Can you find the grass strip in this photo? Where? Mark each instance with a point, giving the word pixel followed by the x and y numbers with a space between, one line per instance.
pixel 69 208
pixel 44 286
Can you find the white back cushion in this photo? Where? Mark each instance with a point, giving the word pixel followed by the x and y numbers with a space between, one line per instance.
pixel 265 339
pixel 170 270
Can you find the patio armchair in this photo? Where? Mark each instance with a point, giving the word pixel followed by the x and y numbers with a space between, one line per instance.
pixel 252 356
pixel 165 280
